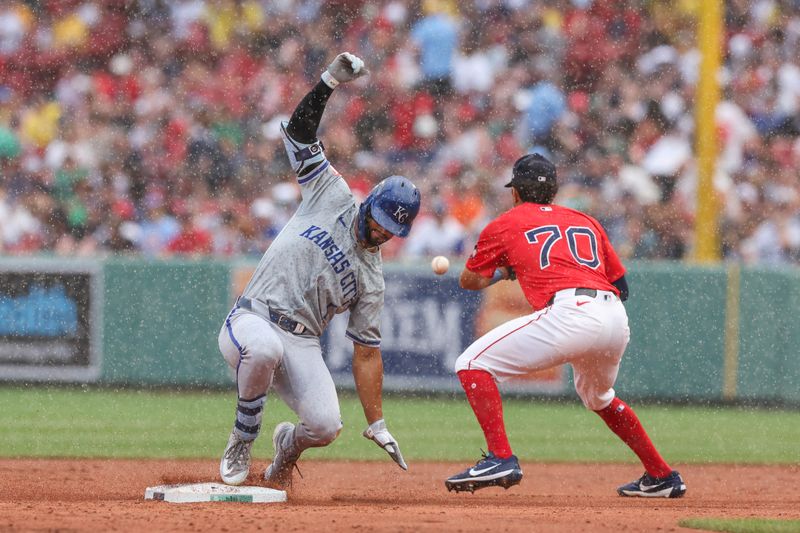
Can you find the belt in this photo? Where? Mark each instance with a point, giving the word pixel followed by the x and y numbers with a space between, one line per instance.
pixel 262 309
pixel 581 291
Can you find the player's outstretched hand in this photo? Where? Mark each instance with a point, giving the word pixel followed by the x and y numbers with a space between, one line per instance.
pixel 345 67
pixel 377 432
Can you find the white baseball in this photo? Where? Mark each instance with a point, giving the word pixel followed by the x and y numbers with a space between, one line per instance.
pixel 440 264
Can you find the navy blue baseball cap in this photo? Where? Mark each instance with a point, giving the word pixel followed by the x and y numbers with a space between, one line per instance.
pixel 532 169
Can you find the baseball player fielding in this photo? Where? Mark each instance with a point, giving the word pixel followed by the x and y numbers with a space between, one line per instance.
pixel 440 264
pixel 575 282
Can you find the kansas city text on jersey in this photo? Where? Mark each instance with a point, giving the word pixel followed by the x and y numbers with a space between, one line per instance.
pixel 335 256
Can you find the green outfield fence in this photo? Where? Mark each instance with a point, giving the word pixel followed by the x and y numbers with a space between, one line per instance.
pixel 716 333
pixel 699 333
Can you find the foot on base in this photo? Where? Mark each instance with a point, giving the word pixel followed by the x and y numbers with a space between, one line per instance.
pixel 235 463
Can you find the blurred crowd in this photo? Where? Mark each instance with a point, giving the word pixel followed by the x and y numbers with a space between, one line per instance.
pixel 151 127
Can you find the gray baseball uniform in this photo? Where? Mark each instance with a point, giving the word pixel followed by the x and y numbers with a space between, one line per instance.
pixel 313 270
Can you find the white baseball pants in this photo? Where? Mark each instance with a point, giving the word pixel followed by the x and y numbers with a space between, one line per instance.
pixel 588 333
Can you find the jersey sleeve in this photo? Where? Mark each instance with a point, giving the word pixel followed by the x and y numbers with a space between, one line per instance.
pixel 489 252
pixel 315 175
pixel 614 267
pixel 364 326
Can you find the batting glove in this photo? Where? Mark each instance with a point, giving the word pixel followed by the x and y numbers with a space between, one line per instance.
pixel 377 432
pixel 345 67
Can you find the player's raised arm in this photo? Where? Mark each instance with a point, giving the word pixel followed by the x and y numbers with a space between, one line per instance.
pixel 308 113
pixel 300 133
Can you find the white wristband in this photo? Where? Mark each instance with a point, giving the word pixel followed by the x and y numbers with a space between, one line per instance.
pixel 329 80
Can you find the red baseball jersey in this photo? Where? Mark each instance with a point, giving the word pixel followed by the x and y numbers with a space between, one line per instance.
pixel 550 248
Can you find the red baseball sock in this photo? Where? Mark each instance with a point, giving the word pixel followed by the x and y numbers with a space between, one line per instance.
pixel 484 398
pixel 623 421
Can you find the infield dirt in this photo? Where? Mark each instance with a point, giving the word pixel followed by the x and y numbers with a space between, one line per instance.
pixel 108 495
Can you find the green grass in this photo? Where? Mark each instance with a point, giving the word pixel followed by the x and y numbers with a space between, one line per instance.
pixel 742 525
pixel 76 422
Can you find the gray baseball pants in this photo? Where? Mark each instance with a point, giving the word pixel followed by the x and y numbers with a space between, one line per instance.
pixel 266 357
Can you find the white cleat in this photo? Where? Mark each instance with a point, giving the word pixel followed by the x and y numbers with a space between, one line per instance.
pixel 235 463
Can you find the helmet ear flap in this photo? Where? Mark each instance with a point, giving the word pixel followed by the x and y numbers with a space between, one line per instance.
pixel 364 214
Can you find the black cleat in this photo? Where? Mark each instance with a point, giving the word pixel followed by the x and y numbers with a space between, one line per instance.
pixel 647 486
pixel 490 471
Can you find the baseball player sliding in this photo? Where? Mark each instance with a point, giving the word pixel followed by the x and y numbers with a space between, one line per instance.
pixel 325 261
pixel 573 278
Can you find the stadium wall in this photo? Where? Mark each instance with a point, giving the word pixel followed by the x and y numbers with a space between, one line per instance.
pixel 698 333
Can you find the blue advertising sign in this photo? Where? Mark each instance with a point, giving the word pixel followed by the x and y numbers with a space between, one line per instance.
pixel 49 322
